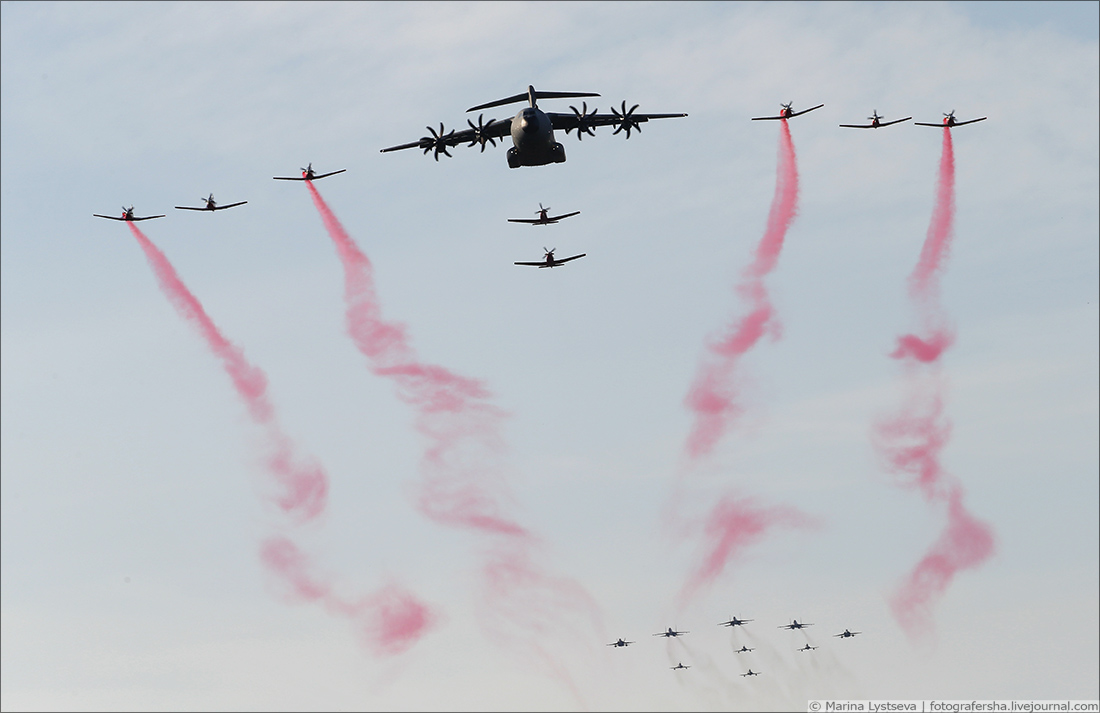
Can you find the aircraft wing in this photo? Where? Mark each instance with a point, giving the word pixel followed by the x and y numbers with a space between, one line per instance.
pixel 567 259
pixel 532 221
pixel 493 130
pixel 289 178
pixel 972 121
pixel 148 217
pixel 855 126
pixel 319 175
pixel 232 205
pixel 895 121
pixel 793 114
pixel 108 217
pixel 541 263
pixel 563 215
pixel 188 207
pixel 570 121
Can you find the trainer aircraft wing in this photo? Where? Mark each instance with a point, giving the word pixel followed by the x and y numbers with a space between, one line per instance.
pixel 233 205
pixel 148 217
pixel 789 116
pixel 541 263
pixel 108 217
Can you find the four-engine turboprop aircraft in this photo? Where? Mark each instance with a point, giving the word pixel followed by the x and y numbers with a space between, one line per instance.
pixel 127 215
pixel 532 129
pixel 308 174
pixel 785 112
pixel 620 642
pixel 949 121
pixel 550 261
pixel 211 204
pixel 543 217
pixel 876 122
pixel 734 621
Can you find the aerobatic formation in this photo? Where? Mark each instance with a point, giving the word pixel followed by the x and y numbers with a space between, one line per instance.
pixel 457 417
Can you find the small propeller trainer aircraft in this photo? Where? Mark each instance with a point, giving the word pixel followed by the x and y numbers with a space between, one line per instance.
pixel 751 673
pixel 620 642
pixel 734 621
pixel 678 665
pixel 543 218
pixel 127 215
pixel 847 634
pixel 532 129
pixel 743 650
pixel 785 112
pixel 949 121
pixel 670 632
pixel 211 204
pixel 876 122
pixel 794 625
pixel 550 261
pixel 308 175
pixel 807 647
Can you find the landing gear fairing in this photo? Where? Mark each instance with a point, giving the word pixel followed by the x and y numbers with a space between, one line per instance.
pixel 532 129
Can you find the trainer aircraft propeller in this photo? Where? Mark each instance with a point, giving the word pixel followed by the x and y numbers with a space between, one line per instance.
pixel 211 205
pixel 785 112
pixel 949 121
pixel 876 122
pixel 531 129
pixel 127 215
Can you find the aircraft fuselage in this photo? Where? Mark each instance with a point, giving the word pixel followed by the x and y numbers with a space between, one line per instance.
pixel 533 141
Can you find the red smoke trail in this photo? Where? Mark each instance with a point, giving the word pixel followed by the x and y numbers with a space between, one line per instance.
pixel 712 396
pixel 735 523
pixel 912 440
pixel 462 487
pixel 397 618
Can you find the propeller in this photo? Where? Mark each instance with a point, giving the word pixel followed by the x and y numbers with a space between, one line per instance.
pixel 436 142
pixel 480 137
pixel 787 106
pixel 951 115
pixel 549 253
pixel 874 115
pixel 584 121
pixel 541 209
pixel 309 168
pixel 626 120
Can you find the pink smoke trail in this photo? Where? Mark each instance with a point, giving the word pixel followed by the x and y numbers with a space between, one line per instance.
pixel 461 487
pixel 712 396
pixel 735 523
pixel 398 619
pixel 912 440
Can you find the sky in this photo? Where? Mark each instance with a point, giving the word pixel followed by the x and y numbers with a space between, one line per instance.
pixel 331 449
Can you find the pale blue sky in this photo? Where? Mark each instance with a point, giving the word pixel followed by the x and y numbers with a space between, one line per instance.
pixel 131 508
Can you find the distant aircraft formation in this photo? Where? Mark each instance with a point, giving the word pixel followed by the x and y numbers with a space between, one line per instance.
pixel 734 621
pixel 534 144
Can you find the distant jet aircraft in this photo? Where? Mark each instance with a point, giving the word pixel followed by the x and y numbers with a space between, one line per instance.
pixel 543 218
pixel 620 642
pixel 807 647
pixel 743 650
pixel 949 121
pixel 876 122
pixel 127 215
pixel 679 665
pixel 786 113
pixel 550 261
pixel 751 673
pixel 308 175
pixel 734 621
pixel 794 625
pixel 848 634
pixel 211 204
pixel 670 632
